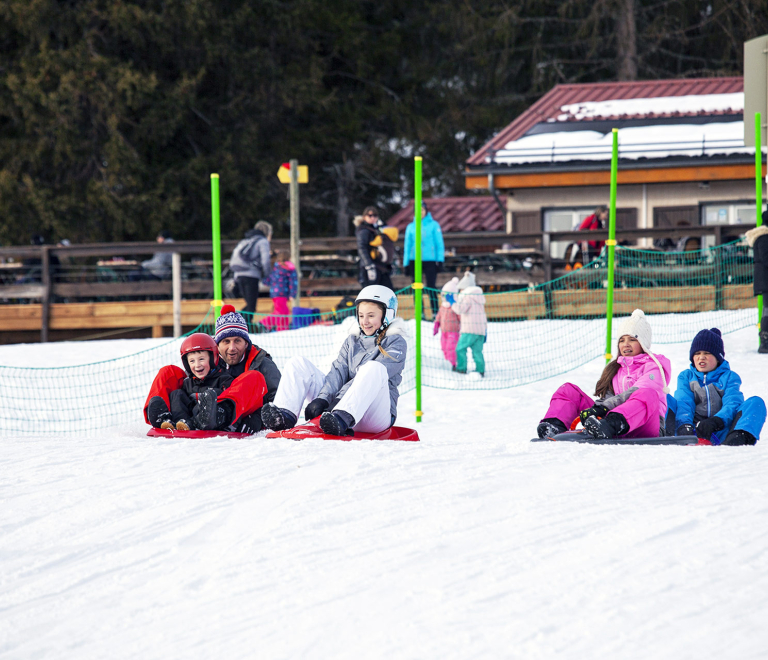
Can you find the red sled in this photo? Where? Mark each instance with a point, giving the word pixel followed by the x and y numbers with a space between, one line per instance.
pixel 312 430
pixel 194 435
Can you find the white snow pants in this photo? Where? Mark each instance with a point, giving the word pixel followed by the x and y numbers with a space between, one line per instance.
pixel 367 399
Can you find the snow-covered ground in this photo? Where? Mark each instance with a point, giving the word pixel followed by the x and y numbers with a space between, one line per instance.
pixel 473 543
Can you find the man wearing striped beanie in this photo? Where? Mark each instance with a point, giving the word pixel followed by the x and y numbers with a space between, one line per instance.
pixel 238 408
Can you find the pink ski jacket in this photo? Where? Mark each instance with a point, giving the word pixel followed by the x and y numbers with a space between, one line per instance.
pixel 470 307
pixel 636 372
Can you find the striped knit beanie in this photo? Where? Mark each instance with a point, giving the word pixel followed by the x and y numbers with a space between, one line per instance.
pixel 231 324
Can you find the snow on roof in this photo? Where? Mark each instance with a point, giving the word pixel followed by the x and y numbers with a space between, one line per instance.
pixel 655 141
pixel 666 105
pixel 641 99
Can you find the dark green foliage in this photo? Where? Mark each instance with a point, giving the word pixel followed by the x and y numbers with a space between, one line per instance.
pixel 113 113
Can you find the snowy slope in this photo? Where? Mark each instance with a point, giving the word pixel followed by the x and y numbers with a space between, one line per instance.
pixel 474 543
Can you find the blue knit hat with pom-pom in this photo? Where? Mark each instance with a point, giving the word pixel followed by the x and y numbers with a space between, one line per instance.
pixel 710 341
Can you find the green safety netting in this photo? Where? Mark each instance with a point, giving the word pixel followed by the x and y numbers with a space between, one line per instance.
pixel 532 334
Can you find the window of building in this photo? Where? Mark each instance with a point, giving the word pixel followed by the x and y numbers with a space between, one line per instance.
pixel 726 213
pixel 563 220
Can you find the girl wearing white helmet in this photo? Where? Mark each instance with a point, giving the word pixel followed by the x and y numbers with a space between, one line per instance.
pixel 360 391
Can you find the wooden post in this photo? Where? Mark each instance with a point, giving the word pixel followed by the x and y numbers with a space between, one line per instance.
pixel 546 257
pixel 176 276
pixel 46 301
pixel 294 195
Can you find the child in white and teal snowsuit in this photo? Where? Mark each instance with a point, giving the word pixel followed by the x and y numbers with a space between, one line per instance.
pixel 470 306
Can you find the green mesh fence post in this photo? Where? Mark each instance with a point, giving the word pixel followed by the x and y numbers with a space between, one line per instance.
pixel 759 195
pixel 417 284
pixel 611 243
pixel 216 219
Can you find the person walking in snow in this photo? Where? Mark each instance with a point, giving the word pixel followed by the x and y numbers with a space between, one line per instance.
pixel 283 284
pixel 631 392
pixel 375 248
pixel 757 239
pixel 708 401
pixel 447 322
pixel 470 307
pixel 360 391
pixel 432 253
pixel 250 263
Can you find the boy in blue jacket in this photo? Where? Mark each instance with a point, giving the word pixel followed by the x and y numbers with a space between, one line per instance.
pixel 708 401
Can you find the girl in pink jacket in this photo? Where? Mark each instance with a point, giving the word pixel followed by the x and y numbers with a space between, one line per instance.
pixel 632 392
pixel 447 322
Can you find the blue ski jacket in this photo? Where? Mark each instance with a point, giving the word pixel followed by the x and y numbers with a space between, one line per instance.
pixel 700 396
pixel 432 246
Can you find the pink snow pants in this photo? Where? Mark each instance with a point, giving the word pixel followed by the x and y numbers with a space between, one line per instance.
pixel 448 341
pixel 641 409
pixel 281 322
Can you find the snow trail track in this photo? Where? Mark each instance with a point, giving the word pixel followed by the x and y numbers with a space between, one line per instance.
pixel 473 543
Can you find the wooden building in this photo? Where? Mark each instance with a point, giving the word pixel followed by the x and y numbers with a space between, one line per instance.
pixel 682 159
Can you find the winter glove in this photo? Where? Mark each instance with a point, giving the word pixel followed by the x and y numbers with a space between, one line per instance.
pixel 706 427
pixel 449 298
pixel 436 328
pixel 597 410
pixel 315 408
pixel 685 429
pixel 370 271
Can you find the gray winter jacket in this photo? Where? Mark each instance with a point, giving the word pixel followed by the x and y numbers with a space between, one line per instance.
pixel 161 263
pixel 250 257
pixel 359 349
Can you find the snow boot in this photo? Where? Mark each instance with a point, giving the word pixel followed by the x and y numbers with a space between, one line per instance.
pixel 249 424
pixel 277 419
pixel 550 427
pixel 337 423
pixel 739 437
pixel 167 424
pixel 763 335
pixel 158 413
pixel 611 426
pixel 210 414
pixel 184 425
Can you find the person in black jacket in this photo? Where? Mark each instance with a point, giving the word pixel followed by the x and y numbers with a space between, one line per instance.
pixel 373 270
pixel 206 379
pixel 238 408
pixel 757 239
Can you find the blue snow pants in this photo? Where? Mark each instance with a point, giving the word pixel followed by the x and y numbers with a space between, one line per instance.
pixel 750 416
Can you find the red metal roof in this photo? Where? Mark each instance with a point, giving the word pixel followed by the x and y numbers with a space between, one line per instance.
pixel 458 214
pixel 549 106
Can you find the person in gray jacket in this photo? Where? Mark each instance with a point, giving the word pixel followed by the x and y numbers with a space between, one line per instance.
pixel 250 262
pixel 360 391
pixel 160 265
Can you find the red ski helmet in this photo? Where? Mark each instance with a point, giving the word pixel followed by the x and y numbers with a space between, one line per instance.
pixel 199 341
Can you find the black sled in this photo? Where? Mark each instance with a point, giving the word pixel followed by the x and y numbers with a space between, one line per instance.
pixel 585 438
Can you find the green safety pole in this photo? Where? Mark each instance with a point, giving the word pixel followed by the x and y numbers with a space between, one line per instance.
pixel 216 218
pixel 759 194
pixel 417 285
pixel 611 243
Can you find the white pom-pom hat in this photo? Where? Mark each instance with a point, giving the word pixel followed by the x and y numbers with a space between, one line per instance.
pixel 637 326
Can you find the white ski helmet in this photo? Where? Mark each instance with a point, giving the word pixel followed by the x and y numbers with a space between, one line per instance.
pixel 383 295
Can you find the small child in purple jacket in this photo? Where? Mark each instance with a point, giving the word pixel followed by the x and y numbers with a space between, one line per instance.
pixel 283 284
